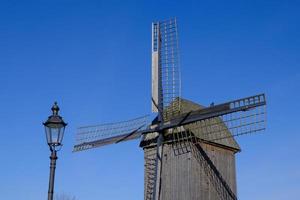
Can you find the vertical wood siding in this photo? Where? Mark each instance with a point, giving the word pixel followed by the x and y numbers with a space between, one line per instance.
pixel 184 178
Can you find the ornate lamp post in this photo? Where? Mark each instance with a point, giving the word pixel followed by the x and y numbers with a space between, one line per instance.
pixel 54 128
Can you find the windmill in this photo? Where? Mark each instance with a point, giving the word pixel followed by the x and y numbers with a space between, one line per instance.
pixel 189 149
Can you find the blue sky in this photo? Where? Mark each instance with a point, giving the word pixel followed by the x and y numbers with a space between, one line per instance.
pixel 93 57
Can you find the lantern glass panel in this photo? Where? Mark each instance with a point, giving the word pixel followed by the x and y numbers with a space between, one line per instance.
pixel 54 134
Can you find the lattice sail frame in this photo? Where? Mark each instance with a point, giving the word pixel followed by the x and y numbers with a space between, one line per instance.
pixel 233 124
pixel 104 134
pixel 166 78
pixel 240 120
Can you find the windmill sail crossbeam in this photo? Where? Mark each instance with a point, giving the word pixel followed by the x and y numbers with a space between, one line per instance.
pixel 169 49
pixel 169 56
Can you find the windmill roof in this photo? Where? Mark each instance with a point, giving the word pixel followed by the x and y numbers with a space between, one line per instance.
pixel 186 106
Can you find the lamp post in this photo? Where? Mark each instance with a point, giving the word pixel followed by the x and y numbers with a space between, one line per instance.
pixel 54 128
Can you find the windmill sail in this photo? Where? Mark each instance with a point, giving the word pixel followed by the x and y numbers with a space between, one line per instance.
pixel 228 120
pixel 104 134
pixel 166 83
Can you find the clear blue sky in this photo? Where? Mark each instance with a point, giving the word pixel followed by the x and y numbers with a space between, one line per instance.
pixel 93 57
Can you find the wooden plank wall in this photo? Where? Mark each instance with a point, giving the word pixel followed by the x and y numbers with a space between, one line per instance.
pixel 183 177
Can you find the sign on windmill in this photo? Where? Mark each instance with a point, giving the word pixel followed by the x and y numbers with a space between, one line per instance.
pixel 189 149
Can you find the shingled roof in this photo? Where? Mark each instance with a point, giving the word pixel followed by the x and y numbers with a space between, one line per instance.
pixel 199 129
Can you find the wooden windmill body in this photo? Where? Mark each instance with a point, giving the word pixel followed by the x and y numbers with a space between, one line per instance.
pixel 184 175
pixel 189 149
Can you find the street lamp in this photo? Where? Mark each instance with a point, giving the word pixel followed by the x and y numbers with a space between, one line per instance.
pixel 54 128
